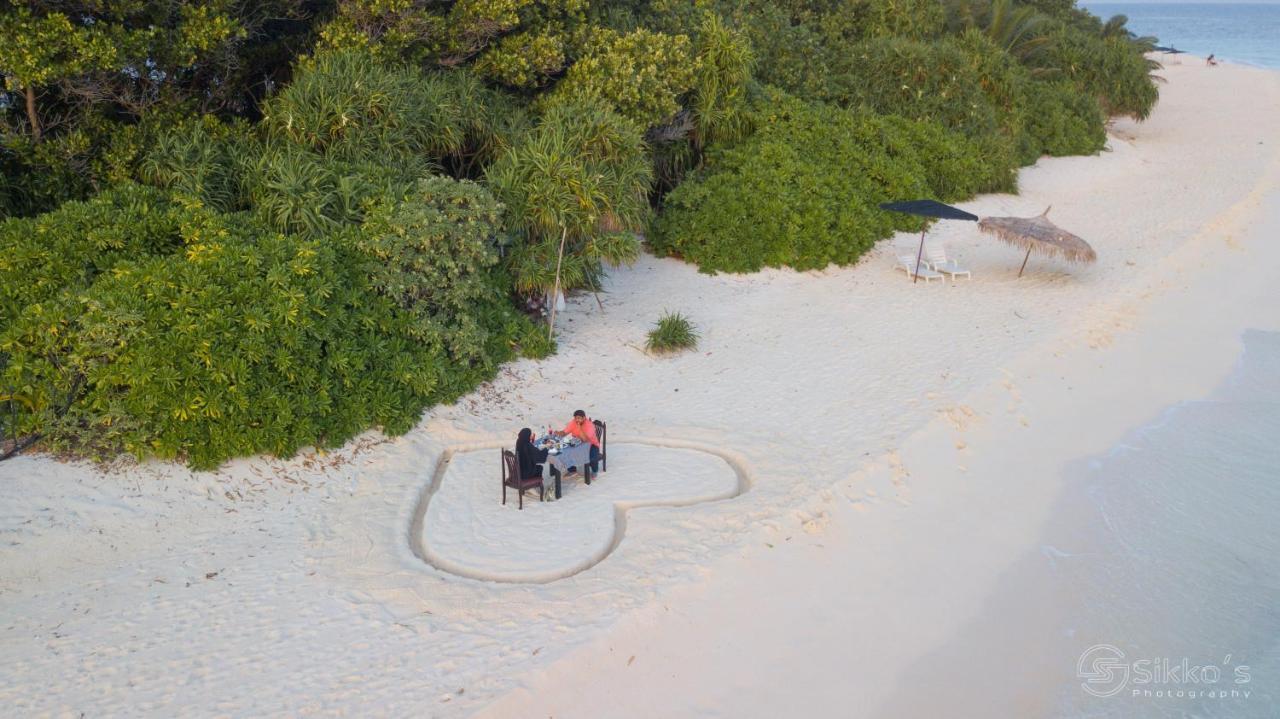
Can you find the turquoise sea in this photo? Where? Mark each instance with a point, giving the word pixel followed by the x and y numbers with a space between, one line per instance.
pixel 1237 32
pixel 1176 595
pixel 1153 590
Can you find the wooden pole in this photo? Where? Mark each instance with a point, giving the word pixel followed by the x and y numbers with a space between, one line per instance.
pixel 919 254
pixel 555 296
pixel 32 116
pixel 1024 261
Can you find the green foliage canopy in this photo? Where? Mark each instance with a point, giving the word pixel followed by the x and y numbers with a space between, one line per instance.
pixel 802 191
pixel 642 75
pixel 296 267
pixel 240 340
pixel 581 175
pixel 431 253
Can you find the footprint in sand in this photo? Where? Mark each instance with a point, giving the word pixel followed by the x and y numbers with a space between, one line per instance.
pixel 960 416
pixel 461 527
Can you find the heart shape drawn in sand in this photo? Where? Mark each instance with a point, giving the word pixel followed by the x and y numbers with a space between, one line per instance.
pixel 460 525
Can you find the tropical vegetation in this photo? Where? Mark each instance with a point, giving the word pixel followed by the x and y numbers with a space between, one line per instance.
pixel 672 332
pixel 234 228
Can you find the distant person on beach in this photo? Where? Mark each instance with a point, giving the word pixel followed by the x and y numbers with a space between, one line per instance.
pixel 1210 60
pixel 584 429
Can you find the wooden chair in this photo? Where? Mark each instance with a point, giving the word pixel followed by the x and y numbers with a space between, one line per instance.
pixel 602 434
pixel 511 478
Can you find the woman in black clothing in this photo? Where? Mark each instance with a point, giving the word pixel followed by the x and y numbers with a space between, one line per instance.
pixel 530 459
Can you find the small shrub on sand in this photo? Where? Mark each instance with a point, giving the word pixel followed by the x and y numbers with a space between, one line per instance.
pixel 672 333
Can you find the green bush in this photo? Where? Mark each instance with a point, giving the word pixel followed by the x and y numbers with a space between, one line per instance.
pixel 348 105
pixel 842 20
pixel 490 121
pixel 953 166
pixel 721 83
pixel 536 342
pixel 902 18
pixel 292 189
pixel 795 57
pixel 219 353
pixel 1060 120
pixel 67 249
pixel 802 192
pixel 244 342
pixel 935 81
pixel 43 175
pixel 641 75
pixel 201 158
pixel 672 332
pixel 524 60
pixel 1111 68
pixel 432 252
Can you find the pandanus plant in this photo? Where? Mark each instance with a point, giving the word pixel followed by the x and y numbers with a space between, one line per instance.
pixel 1020 30
pixel 575 191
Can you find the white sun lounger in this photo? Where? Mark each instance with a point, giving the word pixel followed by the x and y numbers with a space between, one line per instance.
pixel 938 261
pixel 907 263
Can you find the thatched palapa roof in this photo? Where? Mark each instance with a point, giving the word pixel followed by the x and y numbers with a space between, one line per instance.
pixel 1040 235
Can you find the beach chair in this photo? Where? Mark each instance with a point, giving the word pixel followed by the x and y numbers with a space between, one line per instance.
pixel 938 261
pixel 907 263
pixel 602 434
pixel 511 478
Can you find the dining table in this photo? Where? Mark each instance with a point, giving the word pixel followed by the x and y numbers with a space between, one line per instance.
pixel 562 454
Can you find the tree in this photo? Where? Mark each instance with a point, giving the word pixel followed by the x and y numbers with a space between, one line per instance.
pixel 723 66
pixel 40 50
pixel 582 174
pixel 1020 30
pixel 642 75
pixel 447 34
pixel 127 53
pixel 76 72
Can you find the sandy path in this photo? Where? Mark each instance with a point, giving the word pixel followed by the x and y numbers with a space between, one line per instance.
pixel 290 587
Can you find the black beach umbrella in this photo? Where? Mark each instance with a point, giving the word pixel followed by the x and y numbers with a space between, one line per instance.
pixel 927 208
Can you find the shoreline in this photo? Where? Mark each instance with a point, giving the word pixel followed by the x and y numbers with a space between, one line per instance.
pixel 1050 606
pixel 815 589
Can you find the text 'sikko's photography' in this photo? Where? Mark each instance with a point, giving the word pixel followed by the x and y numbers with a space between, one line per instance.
pixel 1106 673
pixel 882 359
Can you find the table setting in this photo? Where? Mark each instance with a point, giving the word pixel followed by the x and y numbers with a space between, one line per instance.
pixel 564 452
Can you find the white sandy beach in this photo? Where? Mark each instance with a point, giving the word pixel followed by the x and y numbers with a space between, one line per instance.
pixel 899 449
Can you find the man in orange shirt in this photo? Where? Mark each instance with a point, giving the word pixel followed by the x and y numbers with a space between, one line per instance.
pixel 584 429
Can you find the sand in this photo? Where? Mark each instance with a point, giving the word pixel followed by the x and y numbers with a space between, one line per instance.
pixel 899 446
pixel 459 529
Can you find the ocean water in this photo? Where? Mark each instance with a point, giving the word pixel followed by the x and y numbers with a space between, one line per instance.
pixel 1153 591
pixel 1237 32
pixel 1185 570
